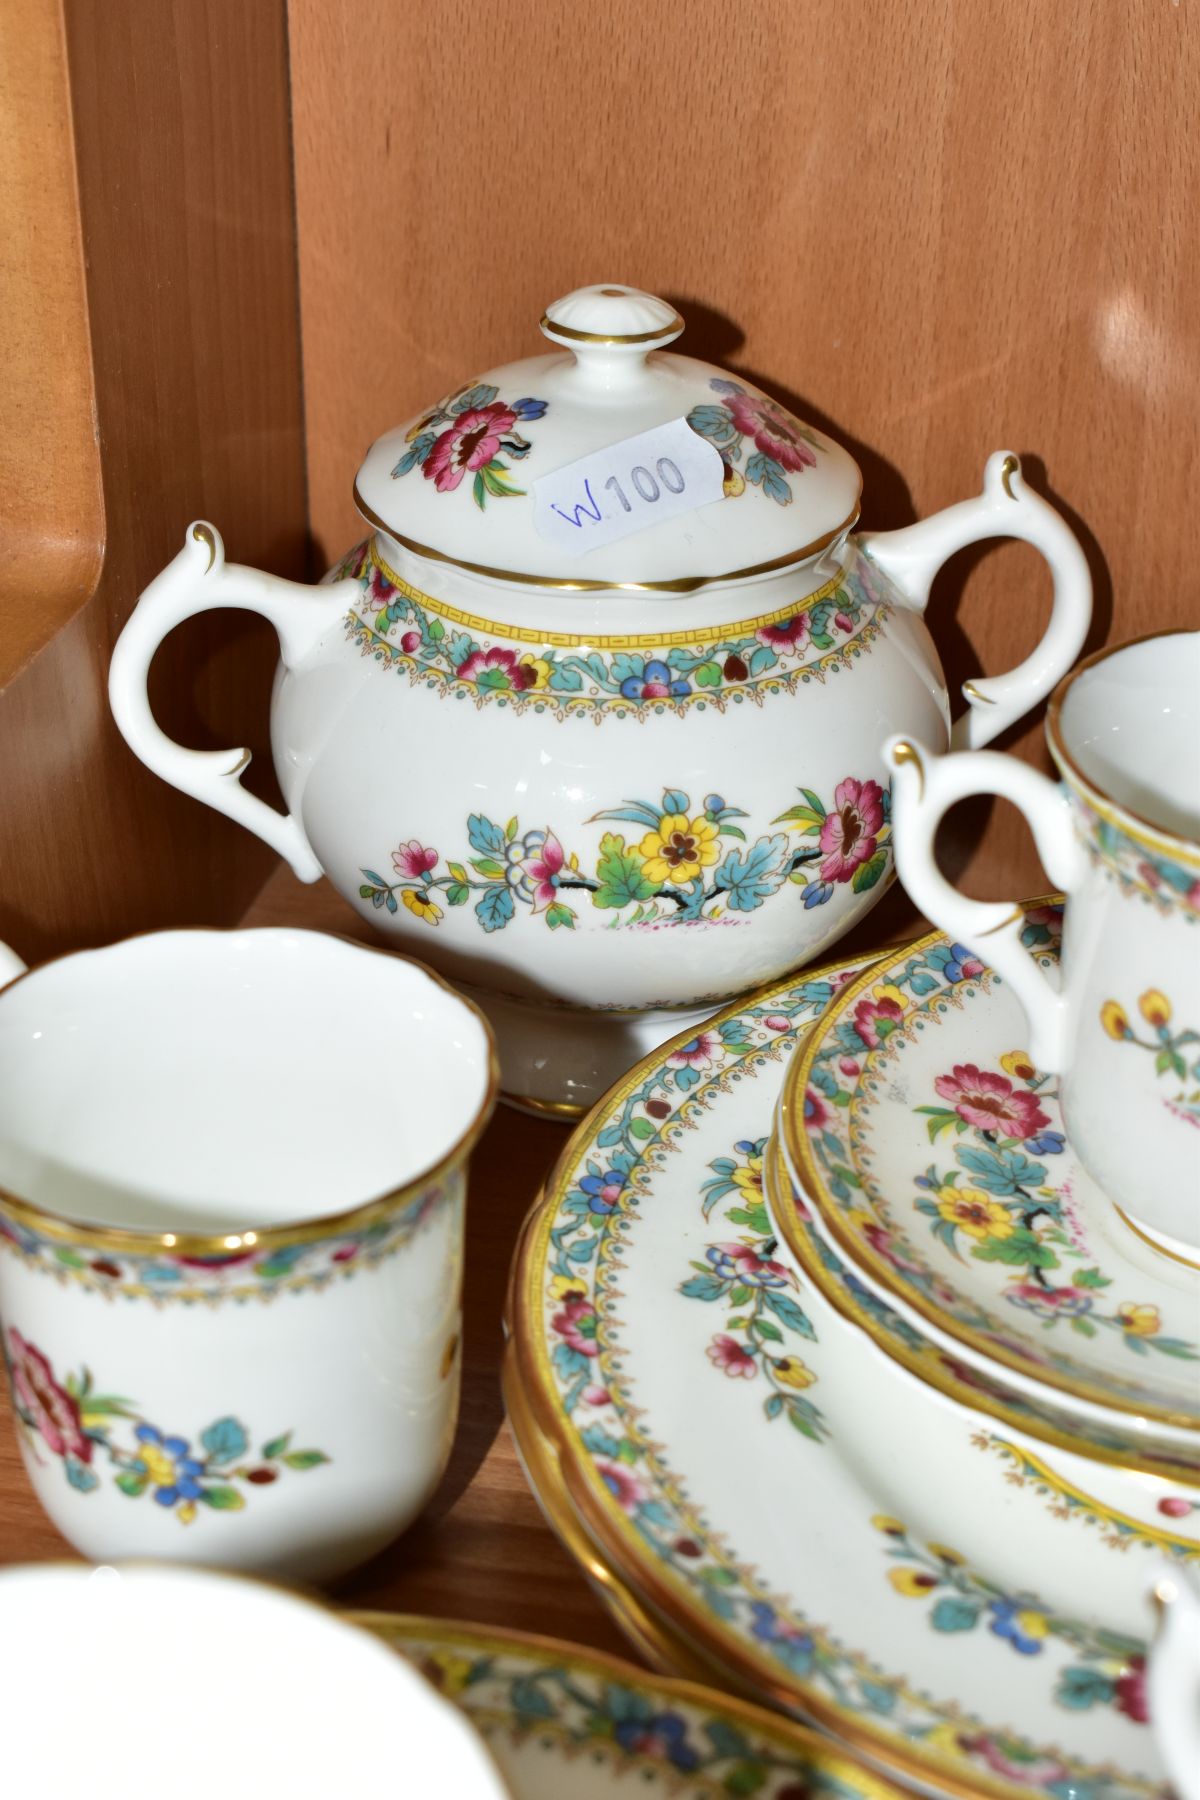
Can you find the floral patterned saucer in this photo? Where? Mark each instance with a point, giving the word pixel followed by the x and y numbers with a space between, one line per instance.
pixel 560 1719
pixel 935 1156
pixel 667 1367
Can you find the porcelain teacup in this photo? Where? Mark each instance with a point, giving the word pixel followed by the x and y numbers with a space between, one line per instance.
pixel 232 1182
pixel 223 1685
pixel 1121 836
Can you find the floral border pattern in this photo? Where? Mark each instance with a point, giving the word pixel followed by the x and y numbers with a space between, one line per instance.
pixel 1137 866
pixel 1116 1529
pixel 580 1281
pixel 251 1273
pixel 406 630
pixel 517 1694
pixel 674 871
pixel 74 1423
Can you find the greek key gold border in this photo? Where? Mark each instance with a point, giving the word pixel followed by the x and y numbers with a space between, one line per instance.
pixel 646 640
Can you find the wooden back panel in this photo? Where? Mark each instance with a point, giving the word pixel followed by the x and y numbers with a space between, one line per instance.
pixel 935 230
pixel 190 344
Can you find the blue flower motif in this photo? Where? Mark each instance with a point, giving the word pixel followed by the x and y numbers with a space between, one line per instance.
pixel 1012 1621
pixel 817 893
pixel 657 682
pixel 664 1732
pixel 603 1191
pixel 1047 1143
pixel 793 1647
pixel 528 409
pixel 165 1460
pixel 960 963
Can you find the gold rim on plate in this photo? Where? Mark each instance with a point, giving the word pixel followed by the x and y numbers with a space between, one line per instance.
pixel 935 1374
pixel 783 1734
pixel 612 1552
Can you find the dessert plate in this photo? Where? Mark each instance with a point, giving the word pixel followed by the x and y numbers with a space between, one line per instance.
pixel 936 1158
pixel 665 1361
pixel 560 1719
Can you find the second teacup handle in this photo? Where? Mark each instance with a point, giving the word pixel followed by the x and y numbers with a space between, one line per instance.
pixel 924 788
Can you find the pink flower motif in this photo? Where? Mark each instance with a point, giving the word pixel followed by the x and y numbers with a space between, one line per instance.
pixel 413 860
pixel 774 431
pixel 410 642
pixel 785 634
pixel 737 1262
pixel 1049 1303
pixel 777 1022
pixel 726 1353
pixel 470 443
pixel 1174 1506
pixel 51 1410
pixel 576 1322
pixel 1037 1775
pixel 818 1114
pixel 1129 1691
pixel 874 1018
pixel 542 871
pixel 627 1489
pixel 990 1102
pixel 701 1052
pixel 842 978
pixel 843 621
pixel 596 1396
pixel 380 589
pixel 498 670
pixel 849 1066
pixel 848 836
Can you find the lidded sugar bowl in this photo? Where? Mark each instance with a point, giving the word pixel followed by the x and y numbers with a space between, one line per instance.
pixel 591 720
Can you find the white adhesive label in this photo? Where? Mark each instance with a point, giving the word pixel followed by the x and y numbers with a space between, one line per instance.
pixel 627 486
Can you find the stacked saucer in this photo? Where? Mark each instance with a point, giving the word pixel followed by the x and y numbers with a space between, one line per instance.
pixel 748 1457
pixel 1036 1402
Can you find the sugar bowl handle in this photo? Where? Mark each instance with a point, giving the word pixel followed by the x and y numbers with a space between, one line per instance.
pixel 924 788
pixel 912 557
pixel 198 580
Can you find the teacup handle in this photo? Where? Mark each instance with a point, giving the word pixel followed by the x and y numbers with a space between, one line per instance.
pixel 1173 1678
pixel 198 580
pixel 924 788
pixel 912 556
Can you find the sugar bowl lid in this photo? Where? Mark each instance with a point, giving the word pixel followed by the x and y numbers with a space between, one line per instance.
pixel 610 463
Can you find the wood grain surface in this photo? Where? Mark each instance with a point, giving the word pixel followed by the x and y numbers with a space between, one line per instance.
pixel 933 229
pixel 179 116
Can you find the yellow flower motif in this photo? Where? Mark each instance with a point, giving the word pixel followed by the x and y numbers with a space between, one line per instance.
pixel 449 1672
pixel 792 1372
pixel 944 1553
pixel 186 1513
pixel 1114 1019
pixel 1155 1008
pixel 734 482
pixel 158 1463
pixel 860 1219
pixel 1032 1624
pixel 421 905
pixel 1142 1321
pixel 975 1212
pixel 680 848
pixel 563 1286
pixel 885 991
pixel 750 1178
pixel 541 672
pixel 914 1584
pixel 885 1522
pixel 1019 1064
pixel 947 1738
